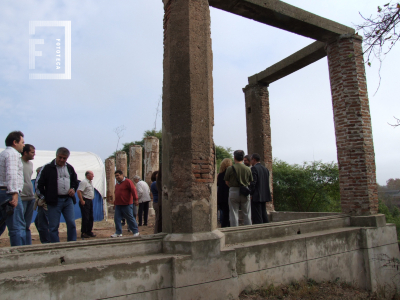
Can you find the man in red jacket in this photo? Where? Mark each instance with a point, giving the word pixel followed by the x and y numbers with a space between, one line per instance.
pixel 125 194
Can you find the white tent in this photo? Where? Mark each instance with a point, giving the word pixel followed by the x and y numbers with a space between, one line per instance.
pixel 81 161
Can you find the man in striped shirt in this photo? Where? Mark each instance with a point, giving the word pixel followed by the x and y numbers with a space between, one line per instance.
pixel 11 184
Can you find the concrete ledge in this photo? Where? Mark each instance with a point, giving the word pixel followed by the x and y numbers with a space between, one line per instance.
pixel 368 221
pixel 50 255
pixel 284 16
pixel 242 234
pixel 290 64
pixel 280 216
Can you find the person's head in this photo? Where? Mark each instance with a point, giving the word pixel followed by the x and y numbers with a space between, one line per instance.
pixel 89 175
pixel 227 162
pixel 38 171
pixel 62 155
pixel 238 155
pixel 119 175
pixel 136 179
pixel 255 159
pixel 28 153
pixel 15 139
pixel 154 176
pixel 246 160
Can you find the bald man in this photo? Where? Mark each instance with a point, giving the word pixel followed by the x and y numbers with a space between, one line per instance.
pixel 86 196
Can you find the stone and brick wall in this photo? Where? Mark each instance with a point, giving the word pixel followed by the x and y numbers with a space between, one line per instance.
pixel 355 149
pixel 258 123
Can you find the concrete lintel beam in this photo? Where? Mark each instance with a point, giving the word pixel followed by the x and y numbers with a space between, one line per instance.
pixel 290 64
pixel 284 16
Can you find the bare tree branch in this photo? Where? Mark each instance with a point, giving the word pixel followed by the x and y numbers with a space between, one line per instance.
pixel 120 133
pixel 397 122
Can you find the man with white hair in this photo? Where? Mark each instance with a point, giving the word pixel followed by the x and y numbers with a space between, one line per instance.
pixel 86 196
pixel 143 191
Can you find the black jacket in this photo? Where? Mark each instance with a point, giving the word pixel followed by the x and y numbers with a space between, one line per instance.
pixel 223 191
pixel 47 182
pixel 259 187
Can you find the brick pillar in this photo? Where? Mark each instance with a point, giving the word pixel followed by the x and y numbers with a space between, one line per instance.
pixel 151 157
pixel 355 148
pixel 135 161
pixel 258 123
pixel 189 189
pixel 122 162
pixel 110 179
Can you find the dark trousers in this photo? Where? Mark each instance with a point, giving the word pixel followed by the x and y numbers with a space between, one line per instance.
pixel 143 209
pixel 259 212
pixel 87 216
pixel 224 215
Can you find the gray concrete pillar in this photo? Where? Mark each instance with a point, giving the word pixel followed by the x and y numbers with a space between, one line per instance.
pixel 258 123
pixel 122 162
pixel 110 179
pixel 151 157
pixel 135 161
pixel 188 175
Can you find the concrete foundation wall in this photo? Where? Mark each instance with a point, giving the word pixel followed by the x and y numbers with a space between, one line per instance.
pixel 210 265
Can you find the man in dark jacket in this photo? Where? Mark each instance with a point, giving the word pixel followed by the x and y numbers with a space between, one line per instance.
pixel 56 184
pixel 260 191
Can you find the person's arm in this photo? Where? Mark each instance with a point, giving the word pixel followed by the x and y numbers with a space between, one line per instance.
pixel 253 183
pixel 73 182
pixel 134 193
pixel 81 188
pixel 227 174
pixel 139 189
pixel 12 178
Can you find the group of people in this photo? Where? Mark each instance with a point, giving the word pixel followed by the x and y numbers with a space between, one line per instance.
pixel 244 185
pixel 55 187
pixel 128 197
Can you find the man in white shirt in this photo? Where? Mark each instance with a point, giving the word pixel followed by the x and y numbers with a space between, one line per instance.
pixel 143 191
pixel 11 184
pixel 86 196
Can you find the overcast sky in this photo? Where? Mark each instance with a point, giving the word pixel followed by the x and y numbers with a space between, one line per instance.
pixel 117 52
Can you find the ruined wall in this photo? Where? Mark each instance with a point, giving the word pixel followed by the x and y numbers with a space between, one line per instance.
pixel 135 161
pixel 189 190
pixel 258 123
pixel 110 179
pixel 355 148
pixel 122 162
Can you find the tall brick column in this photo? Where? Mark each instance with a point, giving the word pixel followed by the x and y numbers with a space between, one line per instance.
pixel 189 189
pixel 258 123
pixel 135 161
pixel 122 162
pixel 355 148
pixel 110 179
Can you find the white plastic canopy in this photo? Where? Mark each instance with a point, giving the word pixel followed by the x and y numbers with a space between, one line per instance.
pixel 81 161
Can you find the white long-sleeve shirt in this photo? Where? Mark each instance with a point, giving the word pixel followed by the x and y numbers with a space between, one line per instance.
pixel 11 170
pixel 143 191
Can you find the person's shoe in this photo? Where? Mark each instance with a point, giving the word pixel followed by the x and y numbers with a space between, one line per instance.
pixel 123 223
pixel 129 230
pixel 145 225
pixel 85 236
pixel 139 225
pixel 91 234
pixel 116 235
pixel 136 234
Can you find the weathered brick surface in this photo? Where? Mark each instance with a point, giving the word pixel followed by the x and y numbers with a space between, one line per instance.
pixel 135 161
pixel 259 127
pixel 189 191
pixel 110 179
pixel 355 148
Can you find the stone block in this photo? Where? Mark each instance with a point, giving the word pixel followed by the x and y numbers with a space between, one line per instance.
pixel 368 221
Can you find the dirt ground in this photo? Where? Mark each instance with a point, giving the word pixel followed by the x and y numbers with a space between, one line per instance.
pixel 102 229
pixel 310 290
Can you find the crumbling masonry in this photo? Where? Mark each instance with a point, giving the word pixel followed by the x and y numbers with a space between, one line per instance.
pixel 192 259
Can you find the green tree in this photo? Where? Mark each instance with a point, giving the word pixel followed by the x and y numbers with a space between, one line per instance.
pixel 221 153
pixel 312 187
pixel 392 216
pixel 393 184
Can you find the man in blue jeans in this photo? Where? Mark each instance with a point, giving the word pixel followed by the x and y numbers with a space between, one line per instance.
pixel 11 184
pixel 57 184
pixel 125 197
